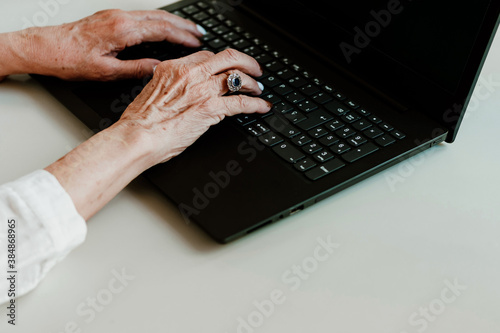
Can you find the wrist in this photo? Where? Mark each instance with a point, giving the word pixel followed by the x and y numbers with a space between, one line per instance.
pixel 26 51
pixel 11 62
pixel 132 143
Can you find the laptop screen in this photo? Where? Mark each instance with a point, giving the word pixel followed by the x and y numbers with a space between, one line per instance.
pixel 410 49
pixel 431 37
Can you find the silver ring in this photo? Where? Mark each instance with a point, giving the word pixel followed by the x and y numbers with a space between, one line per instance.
pixel 234 82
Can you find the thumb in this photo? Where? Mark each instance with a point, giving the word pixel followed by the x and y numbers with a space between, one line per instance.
pixel 134 69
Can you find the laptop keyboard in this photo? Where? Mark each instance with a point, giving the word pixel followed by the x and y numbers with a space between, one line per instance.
pixel 313 126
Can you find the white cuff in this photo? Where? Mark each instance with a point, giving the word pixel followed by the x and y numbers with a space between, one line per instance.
pixel 48 226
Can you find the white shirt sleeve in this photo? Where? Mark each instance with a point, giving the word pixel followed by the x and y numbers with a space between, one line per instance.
pixel 47 228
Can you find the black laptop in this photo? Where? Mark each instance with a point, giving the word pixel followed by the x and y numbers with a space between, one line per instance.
pixel 357 87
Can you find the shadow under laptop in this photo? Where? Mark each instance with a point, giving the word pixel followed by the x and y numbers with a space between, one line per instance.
pixel 155 201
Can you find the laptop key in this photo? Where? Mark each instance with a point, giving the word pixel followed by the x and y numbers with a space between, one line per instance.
pixel 289 153
pixel 244 119
pixel 323 156
pixel 271 81
pixel 270 139
pixel 282 107
pixel 283 89
pixel 220 30
pixel 307 106
pixel 190 10
pixel 361 125
pixel 375 119
pixel 328 140
pixel 202 5
pixel 301 140
pixel 363 112
pixel 322 98
pixel 336 108
pixel 345 132
pixel 305 164
pixel 352 104
pixel 350 117
pixel 309 90
pixel 263 58
pixel 397 134
pixel 295 97
pixel 340 96
pixel 200 17
pixel 315 119
pixel 356 141
pixel 295 116
pixel 385 140
pixel 285 74
pixel 217 43
pixel 297 81
pixel 210 23
pixel 386 127
pixel 257 129
pixel 311 148
pixel 241 44
pixel 317 132
pixel 340 148
pixel 360 152
pixel 253 51
pixel 274 66
pixel 282 126
pixel 373 132
pixel 335 125
pixel 273 98
pixel 324 169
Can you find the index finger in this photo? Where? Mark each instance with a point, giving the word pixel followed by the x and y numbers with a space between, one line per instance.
pixel 232 59
pixel 159 14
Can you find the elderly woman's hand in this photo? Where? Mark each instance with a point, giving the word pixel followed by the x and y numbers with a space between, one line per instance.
pixel 87 49
pixel 188 95
pixel 185 97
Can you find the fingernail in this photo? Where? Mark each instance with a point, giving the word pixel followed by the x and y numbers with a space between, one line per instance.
pixel 154 69
pixel 261 69
pixel 201 29
pixel 261 86
pixel 270 105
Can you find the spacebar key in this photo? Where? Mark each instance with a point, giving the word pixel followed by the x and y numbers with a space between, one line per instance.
pixel 324 169
pixel 360 152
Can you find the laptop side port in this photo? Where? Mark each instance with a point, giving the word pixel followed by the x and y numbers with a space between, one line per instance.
pixel 296 210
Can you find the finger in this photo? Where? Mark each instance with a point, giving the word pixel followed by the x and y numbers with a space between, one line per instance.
pixel 157 31
pixel 249 85
pixel 233 59
pixel 236 104
pixel 198 57
pixel 179 22
pixel 128 69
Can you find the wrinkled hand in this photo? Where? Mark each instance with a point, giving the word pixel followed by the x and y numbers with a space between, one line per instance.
pixel 188 95
pixel 87 49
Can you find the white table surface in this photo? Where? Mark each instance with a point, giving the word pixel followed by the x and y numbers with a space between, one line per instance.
pixel 400 245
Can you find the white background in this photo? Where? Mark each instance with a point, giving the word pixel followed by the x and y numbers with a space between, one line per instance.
pixel 399 242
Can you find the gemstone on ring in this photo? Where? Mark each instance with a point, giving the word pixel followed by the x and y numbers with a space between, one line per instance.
pixel 234 82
